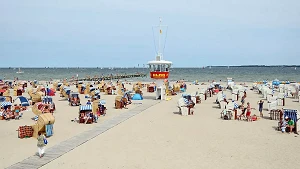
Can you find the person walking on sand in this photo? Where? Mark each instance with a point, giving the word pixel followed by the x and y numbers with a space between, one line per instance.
pixel 41 144
pixel 260 107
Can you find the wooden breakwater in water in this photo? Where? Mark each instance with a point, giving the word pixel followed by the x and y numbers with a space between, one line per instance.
pixel 109 77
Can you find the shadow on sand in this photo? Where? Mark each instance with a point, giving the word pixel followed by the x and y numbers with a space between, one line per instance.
pixel 177 113
pixel 216 107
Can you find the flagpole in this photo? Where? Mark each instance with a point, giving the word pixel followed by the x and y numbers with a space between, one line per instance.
pixel 159 39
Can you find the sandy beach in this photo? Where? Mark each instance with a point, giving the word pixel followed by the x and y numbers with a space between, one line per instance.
pixel 149 85
pixel 160 137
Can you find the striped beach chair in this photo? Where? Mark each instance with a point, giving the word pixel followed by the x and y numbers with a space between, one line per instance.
pixel 293 114
pixel 84 109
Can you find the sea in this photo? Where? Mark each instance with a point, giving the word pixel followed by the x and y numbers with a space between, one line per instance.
pixel 239 74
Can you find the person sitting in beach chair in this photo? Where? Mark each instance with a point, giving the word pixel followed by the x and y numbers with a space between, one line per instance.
pixel 51 107
pixel 290 125
pixel 46 109
pixel 2 112
pixel 88 117
pixel 101 110
pixel 129 98
pixel 283 124
pixel 17 110
pixel 8 114
pixel 124 102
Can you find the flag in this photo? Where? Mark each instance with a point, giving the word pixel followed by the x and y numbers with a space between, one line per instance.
pixel 160 31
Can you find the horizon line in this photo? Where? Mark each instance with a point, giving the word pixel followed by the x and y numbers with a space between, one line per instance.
pixel 74 67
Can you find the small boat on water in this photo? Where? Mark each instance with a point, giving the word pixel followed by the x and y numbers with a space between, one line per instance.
pixel 19 72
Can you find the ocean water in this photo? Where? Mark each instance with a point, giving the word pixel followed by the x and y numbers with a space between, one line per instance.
pixel 239 74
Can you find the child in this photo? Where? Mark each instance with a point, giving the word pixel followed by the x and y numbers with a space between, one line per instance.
pixel 254 118
pixel 284 124
pixel 260 107
pixel 248 114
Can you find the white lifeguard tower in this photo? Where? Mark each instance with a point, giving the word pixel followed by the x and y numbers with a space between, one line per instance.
pixel 159 68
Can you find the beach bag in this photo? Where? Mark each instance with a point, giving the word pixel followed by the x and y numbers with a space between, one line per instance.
pixel 45 141
pixel 225 117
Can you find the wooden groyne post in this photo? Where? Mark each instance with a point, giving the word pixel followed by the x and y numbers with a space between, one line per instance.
pixel 125 76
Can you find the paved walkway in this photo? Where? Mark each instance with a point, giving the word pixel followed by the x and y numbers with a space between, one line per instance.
pixel 64 147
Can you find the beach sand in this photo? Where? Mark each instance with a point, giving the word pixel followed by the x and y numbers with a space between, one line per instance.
pixel 161 138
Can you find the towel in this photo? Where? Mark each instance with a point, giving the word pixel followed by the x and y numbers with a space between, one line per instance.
pixel 49 130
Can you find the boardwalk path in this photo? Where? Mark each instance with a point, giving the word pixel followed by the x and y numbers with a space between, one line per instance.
pixel 70 144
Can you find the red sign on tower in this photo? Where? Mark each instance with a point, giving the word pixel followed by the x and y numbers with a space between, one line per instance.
pixel 159 75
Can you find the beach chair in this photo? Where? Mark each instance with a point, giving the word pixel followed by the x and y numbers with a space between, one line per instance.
pixel 119 104
pixel 83 110
pixel 272 105
pixel 230 109
pixel 182 106
pixel 291 113
pixel 275 114
pixel 281 88
pixel 220 101
pixel 25 131
pixel 202 94
pixel 234 95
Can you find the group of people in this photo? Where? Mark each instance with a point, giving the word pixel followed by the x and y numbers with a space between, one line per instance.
pixel 48 107
pixel 287 125
pixel 247 110
pixel 246 113
pixel 11 112
pixel 88 116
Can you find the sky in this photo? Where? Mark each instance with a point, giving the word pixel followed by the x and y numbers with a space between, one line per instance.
pixel 118 33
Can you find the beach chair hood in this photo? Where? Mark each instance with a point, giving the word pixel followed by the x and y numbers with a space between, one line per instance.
pixel 85 107
pixel 23 100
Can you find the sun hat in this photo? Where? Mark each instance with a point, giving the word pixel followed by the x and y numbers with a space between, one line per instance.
pixel 286 117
